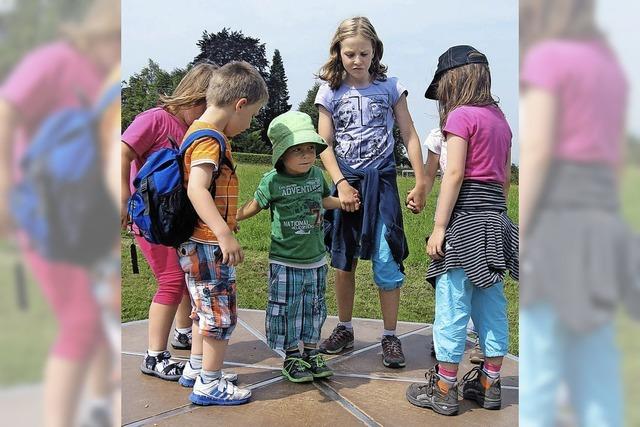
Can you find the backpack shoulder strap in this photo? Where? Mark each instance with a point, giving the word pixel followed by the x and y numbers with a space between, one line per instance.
pixel 211 133
pixel 110 95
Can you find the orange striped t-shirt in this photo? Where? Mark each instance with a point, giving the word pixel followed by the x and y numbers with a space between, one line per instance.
pixel 207 150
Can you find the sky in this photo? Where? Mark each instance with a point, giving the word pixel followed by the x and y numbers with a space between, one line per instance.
pixel 414 34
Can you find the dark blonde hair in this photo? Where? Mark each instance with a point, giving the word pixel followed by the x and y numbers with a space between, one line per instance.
pixel 191 91
pixel 333 70
pixel 556 19
pixel 466 85
pixel 236 80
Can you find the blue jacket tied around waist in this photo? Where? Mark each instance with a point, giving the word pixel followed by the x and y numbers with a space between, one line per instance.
pixel 348 235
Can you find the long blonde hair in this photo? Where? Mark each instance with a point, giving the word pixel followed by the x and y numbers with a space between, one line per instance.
pixel 466 85
pixel 333 71
pixel 191 91
pixel 556 19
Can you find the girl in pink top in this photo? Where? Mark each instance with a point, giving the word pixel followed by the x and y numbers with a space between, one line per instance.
pixel 150 131
pixel 473 242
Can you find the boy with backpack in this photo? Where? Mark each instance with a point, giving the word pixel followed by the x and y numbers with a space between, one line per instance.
pixel 235 95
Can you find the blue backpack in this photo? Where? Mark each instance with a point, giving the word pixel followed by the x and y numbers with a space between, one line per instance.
pixel 62 202
pixel 160 206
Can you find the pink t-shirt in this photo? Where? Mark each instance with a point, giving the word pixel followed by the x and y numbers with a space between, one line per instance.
pixel 50 78
pixel 591 89
pixel 149 132
pixel 488 139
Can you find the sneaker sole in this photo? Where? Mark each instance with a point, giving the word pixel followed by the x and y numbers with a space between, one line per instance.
pixel 394 365
pixel 480 400
pixel 297 380
pixel 346 346
pixel 186 382
pixel 323 375
pixel 449 411
pixel 476 360
pixel 179 346
pixel 157 374
pixel 198 399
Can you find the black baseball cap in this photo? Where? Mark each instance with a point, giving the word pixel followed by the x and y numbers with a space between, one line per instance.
pixel 454 57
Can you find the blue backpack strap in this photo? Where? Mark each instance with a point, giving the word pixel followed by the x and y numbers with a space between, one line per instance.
pixel 107 99
pixel 205 132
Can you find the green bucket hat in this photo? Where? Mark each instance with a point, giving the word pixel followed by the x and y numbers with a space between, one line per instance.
pixel 290 129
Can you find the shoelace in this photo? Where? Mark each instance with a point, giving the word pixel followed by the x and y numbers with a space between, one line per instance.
pixel 431 378
pixel 338 334
pixel 393 345
pixel 318 360
pixel 164 359
pixel 472 374
pixel 298 364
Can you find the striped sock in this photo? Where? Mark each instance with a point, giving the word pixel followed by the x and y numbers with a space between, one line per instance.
pixel 448 375
pixel 492 371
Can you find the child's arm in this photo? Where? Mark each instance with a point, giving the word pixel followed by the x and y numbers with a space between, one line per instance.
pixel 449 189
pixel 248 210
pixel 127 155
pixel 507 176
pixel 431 170
pixel 417 196
pixel 333 203
pixel 198 192
pixel 347 194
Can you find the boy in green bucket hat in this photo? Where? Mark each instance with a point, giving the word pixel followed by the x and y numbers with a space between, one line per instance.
pixel 296 193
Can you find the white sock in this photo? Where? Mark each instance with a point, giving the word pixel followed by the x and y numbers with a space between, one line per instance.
pixel 208 376
pixel 186 331
pixel 346 324
pixel 154 353
pixel 196 361
pixel 389 333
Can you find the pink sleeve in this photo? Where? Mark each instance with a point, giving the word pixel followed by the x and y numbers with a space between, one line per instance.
pixel 541 68
pixel 30 87
pixel 459 123
pixel 142 133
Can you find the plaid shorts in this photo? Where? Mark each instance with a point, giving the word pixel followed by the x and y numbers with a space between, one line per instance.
pixel 296 309
pixel 212 286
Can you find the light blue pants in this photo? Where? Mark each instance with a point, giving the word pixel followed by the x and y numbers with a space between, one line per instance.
pixel 457 300
pixel 588 364
pixel 386 271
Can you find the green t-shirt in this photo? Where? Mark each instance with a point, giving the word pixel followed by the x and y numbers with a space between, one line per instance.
pixel 295 203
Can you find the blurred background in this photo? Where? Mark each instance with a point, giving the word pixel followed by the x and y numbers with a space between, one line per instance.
pixel 579 213
pixel 59 263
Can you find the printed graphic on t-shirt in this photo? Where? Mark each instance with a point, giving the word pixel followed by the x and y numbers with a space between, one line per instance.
pixel 304 210
pixel 361 127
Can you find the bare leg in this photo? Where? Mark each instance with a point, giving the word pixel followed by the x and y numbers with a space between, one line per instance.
pixel 389 302
pixel 184 311
pixel 213 355
pixel 160 320
pixel 345 292
pixel 62 384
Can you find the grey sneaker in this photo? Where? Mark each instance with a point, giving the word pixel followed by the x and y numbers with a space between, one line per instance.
pixel 339 339
pixel 476 385
pixel 437 394
pixel 392 356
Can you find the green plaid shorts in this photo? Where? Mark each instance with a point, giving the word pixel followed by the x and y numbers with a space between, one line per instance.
pixel 296 309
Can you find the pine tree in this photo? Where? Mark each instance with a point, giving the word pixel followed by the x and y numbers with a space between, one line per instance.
pixel 278 93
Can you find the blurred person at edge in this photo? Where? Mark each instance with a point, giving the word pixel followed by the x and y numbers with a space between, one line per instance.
pixel 575 263
pixel 64 73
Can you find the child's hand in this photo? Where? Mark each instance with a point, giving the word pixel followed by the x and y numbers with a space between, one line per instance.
pixel 231 251
pixel 435 243
pixel 416 199
pixel 349 197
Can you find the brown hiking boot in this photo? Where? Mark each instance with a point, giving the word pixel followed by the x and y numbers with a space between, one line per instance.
pixel 476 356
pixel 437 394
pixel 392 356
pixel 476 385
pixel 339 339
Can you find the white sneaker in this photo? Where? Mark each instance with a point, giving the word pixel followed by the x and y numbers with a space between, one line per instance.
pixel 218 392
pixel 189 375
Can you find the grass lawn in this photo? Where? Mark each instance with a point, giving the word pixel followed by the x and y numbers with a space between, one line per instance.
pixel 417 298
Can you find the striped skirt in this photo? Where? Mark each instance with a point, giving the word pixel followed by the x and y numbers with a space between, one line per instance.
pixel 480 237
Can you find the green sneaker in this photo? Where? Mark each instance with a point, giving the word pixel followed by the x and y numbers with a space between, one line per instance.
pixel 296 369
pixel 319 368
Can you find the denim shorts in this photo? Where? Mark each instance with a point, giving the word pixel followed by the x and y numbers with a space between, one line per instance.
pixel 212 286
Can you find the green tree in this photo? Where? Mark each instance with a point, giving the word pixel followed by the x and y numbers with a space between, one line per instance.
pixel 143 89
pixel 278 93
pixel 308 106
